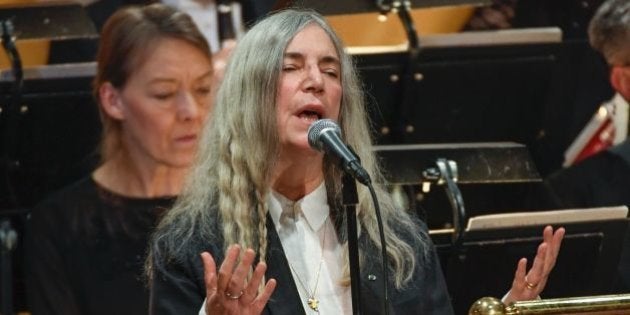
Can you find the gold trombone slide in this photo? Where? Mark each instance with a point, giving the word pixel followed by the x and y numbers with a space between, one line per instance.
pixel 592 305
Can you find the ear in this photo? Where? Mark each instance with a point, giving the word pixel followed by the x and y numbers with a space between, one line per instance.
pixel 111 101
pixel 620 80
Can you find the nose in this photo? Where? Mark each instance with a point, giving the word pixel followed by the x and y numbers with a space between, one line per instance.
pixel 188 107
pixel 314 80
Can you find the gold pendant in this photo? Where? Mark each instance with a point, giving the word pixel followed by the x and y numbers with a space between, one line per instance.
pixel 313 303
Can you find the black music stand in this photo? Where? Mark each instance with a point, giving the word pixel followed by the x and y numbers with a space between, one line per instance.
pixel 452 164
pixel 587 263
pixel 465 87
pixel 59 21
pixel 478 162
pixel 481 262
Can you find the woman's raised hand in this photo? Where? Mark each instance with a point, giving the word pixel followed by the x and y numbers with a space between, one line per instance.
pixel 228 291
pixel 529 285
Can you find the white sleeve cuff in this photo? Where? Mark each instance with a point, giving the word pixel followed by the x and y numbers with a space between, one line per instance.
pixel 202 311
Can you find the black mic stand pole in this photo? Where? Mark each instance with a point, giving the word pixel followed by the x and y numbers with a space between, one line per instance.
pixel 8 235
pixel 8 240
pixel 350 200
pixel 404 109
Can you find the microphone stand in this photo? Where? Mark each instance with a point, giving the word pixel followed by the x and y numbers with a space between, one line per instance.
pixel 8 240
pixel 350 200
pixel 446 174
pixel 8 235
pixel 410 77
pixel 11 110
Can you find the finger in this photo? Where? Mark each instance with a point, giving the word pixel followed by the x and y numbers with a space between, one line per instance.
pixel 555 244
pixel 519 275
pixel 262 298
pixel 548 234
pixel 212 303
pixel 535 274
pixel 209 274
pixel 518 284
pixel 249 294
pixel 237 281
pixel 548 239
pixel 227 267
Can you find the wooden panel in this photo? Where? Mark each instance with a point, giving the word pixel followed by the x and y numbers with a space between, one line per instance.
pixel 366 30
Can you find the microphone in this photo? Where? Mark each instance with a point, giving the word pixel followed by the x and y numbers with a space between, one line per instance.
pixel 325 136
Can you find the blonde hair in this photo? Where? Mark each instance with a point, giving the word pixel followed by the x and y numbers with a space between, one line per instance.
pixel 226 195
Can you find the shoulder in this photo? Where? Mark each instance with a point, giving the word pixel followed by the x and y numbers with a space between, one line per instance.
pixel 182 237
pixel 62 202
pixel 596 181
pixel 595 167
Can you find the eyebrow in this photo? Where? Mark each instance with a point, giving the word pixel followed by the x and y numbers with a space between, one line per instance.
pixel 325 59
pixel 208 74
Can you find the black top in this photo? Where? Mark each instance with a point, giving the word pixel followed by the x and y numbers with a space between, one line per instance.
pixel 598 181
pixel 85 250
pixel 178 285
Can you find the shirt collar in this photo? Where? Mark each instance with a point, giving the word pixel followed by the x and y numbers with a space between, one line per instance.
pixel 314 206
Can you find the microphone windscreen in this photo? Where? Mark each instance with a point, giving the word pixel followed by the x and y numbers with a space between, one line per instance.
pixel 316 129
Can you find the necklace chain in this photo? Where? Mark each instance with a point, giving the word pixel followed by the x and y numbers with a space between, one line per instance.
pixel 311 300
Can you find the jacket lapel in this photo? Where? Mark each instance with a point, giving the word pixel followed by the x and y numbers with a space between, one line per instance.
pixel 285 299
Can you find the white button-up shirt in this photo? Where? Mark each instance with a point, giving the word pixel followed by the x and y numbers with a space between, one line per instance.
pixel 308 237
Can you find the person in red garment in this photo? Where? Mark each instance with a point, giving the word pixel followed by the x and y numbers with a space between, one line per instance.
pixel 603 179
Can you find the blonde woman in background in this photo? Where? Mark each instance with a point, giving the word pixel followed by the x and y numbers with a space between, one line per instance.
pixel 86 244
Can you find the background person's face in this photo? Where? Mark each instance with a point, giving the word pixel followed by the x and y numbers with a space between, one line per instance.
pixel 165 103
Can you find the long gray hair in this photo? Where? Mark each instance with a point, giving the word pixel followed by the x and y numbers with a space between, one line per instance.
pixel 240 146
pixel 609 31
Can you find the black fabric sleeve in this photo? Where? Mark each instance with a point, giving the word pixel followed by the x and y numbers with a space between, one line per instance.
pixel 177 288
pixel 598 181
pixel 438 299
pixel 431 282
pixel 425 293
pixel 48 282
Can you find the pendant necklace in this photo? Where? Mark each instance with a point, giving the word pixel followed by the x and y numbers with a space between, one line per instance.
pixel 311 300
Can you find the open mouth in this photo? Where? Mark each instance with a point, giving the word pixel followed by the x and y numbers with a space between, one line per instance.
pixel 310 115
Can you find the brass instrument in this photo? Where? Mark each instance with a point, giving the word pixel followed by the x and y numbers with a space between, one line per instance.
pixel 595 305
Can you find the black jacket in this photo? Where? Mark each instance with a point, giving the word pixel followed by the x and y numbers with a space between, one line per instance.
pixel 179 287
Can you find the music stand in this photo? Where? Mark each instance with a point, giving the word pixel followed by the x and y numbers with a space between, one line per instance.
pixel 453 164
pixel 478 162
pixel 466 87
pixel 587 263
pixel 58 21
pixel 55 21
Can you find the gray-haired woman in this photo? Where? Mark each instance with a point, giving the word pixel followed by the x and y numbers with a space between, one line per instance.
pixel 259 186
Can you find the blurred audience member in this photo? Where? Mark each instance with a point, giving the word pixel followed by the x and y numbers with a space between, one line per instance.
pixel 86 244
pixel 604 178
